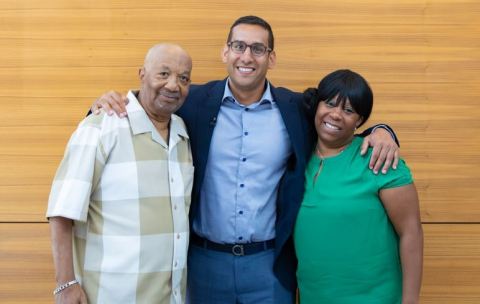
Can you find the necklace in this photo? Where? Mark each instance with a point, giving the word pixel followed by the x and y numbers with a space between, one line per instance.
pixel 320 166
pixel 322 160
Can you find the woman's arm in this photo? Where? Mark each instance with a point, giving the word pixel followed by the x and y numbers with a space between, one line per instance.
pixel 403 210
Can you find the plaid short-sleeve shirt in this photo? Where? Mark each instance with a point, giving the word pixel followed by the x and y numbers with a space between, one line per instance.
pixel 128 192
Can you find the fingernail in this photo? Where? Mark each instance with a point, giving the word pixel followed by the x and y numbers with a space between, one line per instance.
pixel 110 112
pixel 384 171
pixel 375 172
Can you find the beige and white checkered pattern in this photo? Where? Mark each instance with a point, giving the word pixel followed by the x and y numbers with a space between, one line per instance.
pixel 128 193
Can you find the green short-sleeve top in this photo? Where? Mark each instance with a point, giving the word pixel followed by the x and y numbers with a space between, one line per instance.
pixel 346 246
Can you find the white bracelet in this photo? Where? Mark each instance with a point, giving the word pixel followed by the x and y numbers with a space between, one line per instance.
pixel 64 286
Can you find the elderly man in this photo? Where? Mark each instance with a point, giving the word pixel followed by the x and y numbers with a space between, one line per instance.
pixel 119 203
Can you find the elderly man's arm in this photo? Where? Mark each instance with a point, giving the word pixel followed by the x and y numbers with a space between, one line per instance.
pixel 402 207
pixel 61 234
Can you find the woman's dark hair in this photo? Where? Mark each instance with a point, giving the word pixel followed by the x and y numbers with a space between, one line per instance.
pixel 345 84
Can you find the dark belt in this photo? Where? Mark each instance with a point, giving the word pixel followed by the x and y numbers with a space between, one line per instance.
pixel 235 249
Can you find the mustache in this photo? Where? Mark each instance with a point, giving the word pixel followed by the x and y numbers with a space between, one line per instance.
pixel 170 94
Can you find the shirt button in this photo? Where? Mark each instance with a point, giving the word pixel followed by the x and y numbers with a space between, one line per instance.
pixel 246 133
pixel 176 263
pixel 244 159
pixel 175 207
pixel 178 235
pixel 242 185
pixel 240 238
pixel 240 212
pixel 171 179
pixel 247 109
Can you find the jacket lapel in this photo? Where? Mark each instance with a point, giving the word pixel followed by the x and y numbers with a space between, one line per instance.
pixel 206 121
pixel 293 119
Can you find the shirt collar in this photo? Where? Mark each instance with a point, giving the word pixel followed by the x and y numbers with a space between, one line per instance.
pixel 141 123
pixel 267 96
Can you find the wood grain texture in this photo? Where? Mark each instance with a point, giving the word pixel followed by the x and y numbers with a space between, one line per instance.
pixel 451 263
pixel 26 264
pixel 421 57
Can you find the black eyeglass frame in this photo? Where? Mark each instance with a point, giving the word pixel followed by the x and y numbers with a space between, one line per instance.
pixel 251 46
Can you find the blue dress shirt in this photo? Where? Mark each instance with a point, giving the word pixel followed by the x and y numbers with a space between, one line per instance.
pixel 247 157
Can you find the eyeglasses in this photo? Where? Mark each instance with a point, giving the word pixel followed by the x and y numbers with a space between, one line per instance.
pixel 257 49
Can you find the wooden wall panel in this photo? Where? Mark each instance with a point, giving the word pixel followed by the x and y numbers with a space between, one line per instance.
pixel 451 264
pixel 421 57
pixel 26 264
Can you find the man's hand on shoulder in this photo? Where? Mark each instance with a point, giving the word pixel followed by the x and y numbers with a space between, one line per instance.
pixel 385 150
pixel 111 102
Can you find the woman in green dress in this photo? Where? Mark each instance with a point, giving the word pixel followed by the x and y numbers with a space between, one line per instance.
pixel 358 235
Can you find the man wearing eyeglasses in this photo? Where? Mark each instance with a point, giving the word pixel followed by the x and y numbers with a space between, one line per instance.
pixel 250 146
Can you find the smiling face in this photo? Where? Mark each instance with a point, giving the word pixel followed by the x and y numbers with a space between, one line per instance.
pixel 165 79
pixel 336 122
pixel 248 72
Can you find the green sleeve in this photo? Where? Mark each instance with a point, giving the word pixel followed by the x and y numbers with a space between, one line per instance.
pixel 395 178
